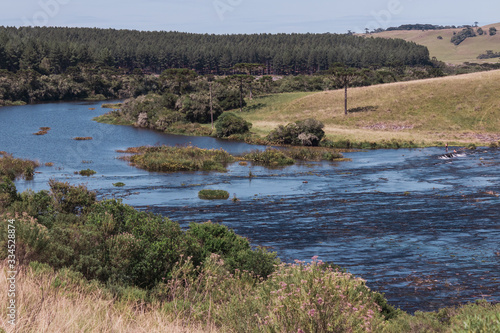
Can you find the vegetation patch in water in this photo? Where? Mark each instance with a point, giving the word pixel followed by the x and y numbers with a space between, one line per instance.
pixel 112 105
pixel 213 194
pixel 82 138
pixel 42 131
pixel 270 157
pixel 87 172
pixel 119 184
pixel 167 159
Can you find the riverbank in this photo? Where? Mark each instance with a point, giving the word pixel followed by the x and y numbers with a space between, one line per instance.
pixel 458 110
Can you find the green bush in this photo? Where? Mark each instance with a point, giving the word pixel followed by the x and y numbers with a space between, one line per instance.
pixel 213 194
pixel 70 199
pixel 229 124
pixel 307 132
pixel 206 238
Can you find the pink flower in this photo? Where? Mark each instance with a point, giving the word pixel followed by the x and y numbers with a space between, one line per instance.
pixel 311 312
pixel 320 301
pixel 300 331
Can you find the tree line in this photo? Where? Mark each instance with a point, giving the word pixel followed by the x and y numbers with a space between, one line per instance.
pixel 53 50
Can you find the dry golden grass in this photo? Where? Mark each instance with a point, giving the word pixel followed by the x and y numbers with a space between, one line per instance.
pixel 446 51
pixel 44 307
pixel 464 108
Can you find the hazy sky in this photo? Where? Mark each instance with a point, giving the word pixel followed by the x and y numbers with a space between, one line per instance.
pixel 245 16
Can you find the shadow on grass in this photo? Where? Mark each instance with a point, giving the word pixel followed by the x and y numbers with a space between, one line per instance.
pixel 363 109
pixel 254 107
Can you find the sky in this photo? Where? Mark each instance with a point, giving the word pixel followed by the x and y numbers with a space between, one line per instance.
pixel 245 16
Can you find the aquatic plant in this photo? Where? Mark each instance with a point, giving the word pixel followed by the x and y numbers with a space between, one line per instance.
pixel 167 159
pixel 87 172
pixel 119 184
pixel 82 138
pixel 42 131
pixel 213 194
pixel 270 157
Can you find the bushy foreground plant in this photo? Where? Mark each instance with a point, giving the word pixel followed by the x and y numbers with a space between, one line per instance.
pixel 114 243
pixel 298 297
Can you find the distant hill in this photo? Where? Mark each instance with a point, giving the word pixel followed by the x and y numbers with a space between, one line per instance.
pixel 444 50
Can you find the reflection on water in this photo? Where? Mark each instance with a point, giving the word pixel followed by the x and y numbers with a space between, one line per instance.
pixel 423 229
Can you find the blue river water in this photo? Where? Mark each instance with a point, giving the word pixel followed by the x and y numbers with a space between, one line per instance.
pixel 423 229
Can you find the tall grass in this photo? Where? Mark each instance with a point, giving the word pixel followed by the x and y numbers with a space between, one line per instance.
pixel 49 301
pixel 165 159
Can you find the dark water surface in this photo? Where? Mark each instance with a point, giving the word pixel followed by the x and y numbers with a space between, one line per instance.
pixel 423 229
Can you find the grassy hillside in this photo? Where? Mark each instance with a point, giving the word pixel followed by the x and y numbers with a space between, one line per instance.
pixel 459 109
pixel 446 51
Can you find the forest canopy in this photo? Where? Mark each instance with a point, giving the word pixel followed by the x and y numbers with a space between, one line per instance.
pixel 52 50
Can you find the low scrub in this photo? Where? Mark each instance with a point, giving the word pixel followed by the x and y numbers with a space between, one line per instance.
pixel 213 194
pixel 287 156
pixel 87 172
pixel 270 157
pixel 168 159
pixel 13 168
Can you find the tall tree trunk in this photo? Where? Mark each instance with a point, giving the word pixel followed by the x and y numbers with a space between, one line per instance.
pixel 211 107
pixel 345 99
pixel 241 95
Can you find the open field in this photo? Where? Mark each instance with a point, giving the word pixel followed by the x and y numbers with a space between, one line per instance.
pixel 456 109
pixel 446 51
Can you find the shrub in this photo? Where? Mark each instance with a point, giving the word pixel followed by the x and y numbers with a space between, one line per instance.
pixel 307 132
pixel 230 123
pixel 209 238
pixel 213 194
pixel 70 199
pixel 8 191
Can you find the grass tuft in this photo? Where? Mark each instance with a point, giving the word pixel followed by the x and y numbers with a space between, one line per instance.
pixel 213 194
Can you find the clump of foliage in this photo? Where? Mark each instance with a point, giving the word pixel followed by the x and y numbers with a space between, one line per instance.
pixel 300 297
pixel 106 240
pixel 307 132
pixel 493 31
pixel 213 194
pixel 312 154
pixel 82 138
pixel 42 131
pixel 229 124
pixel 167 159
pixel 270 157
pixel 119 184
pixel 87 172
pixel 16 167
pixel 463 35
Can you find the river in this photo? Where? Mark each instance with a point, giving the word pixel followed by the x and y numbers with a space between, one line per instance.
pixel 422 229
